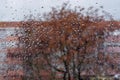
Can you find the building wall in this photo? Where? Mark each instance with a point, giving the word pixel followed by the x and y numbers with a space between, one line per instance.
pixel 9 67
pixel 112 48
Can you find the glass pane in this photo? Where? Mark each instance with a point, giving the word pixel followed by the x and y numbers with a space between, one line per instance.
pixel 59 39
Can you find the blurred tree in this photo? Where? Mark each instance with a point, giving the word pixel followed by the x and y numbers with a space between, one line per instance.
pixel 67 41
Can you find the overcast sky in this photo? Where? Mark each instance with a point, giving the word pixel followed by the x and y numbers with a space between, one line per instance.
pixel 14 10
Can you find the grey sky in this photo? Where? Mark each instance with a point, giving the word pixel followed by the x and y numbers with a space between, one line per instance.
pixel 14 10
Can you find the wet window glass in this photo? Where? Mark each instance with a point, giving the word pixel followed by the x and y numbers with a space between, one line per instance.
pixel 59 39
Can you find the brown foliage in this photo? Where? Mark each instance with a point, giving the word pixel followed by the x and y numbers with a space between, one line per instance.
pixel 67 40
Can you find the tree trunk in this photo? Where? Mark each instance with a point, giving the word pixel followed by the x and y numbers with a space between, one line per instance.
pixel 73 69
pixel 67 70
pixel 79 75
pixel 64 76
pixel 69 77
